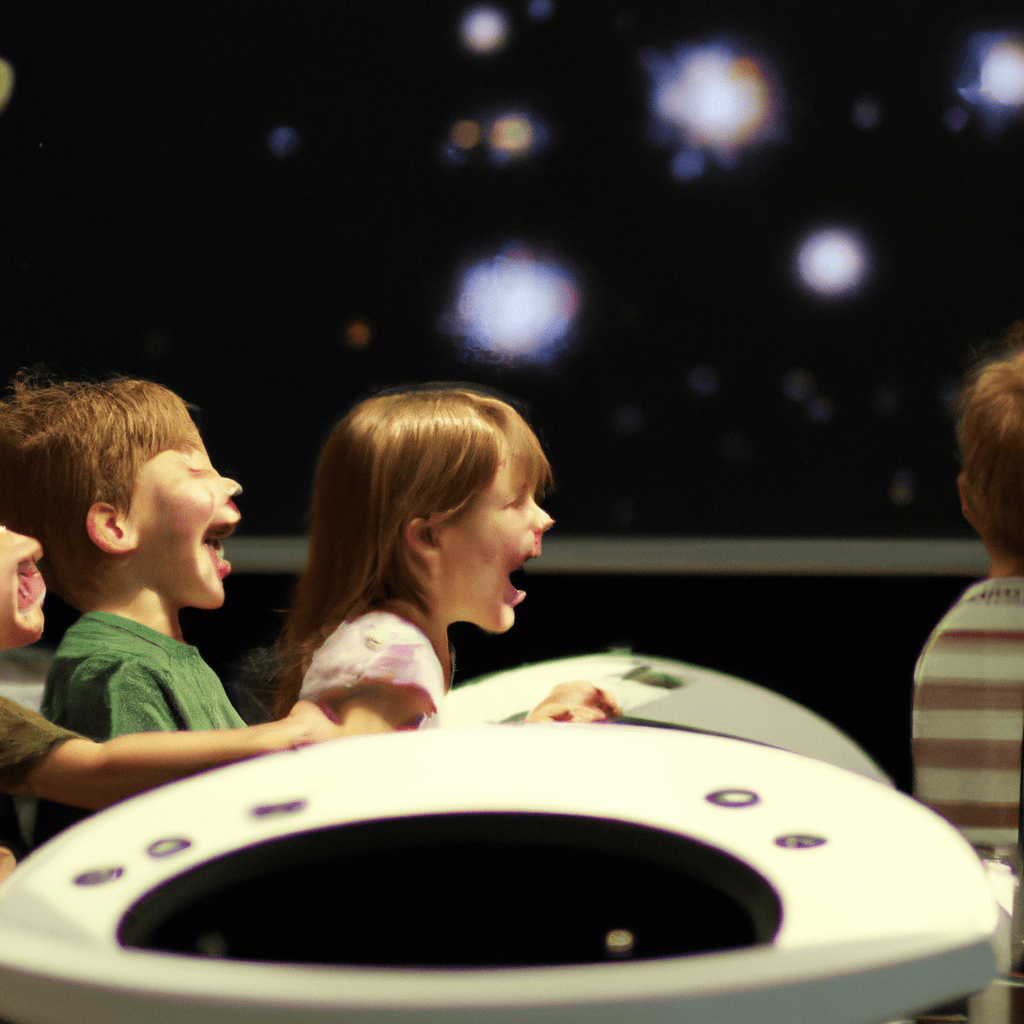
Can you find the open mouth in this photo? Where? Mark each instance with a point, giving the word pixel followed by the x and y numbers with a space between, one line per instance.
pixel 220 564
pixel 514 594
pixel 31 588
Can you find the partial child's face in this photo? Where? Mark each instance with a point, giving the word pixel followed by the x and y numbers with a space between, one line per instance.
pixel 21 622
pixel 182 509
pixel 501 530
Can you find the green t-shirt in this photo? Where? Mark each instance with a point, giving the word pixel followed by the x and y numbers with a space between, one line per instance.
pixel 112 676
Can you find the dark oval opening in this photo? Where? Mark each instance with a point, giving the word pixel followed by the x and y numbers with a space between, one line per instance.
pixel 461 890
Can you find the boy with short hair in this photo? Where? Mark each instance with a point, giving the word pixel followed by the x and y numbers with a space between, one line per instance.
pixel 114 481
pixel 969 680
pixel 968 712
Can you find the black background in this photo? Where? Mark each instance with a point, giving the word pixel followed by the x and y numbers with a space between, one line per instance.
pixel 148 229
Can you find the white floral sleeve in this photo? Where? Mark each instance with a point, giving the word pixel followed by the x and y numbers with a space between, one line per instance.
pixel 378 645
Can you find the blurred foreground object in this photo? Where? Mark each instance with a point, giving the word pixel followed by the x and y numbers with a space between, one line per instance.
pixel 589 873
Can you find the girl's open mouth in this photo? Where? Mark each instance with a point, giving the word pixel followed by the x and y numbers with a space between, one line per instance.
pixel 513 595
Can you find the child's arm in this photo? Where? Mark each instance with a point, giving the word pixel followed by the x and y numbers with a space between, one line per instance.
pixel 93 775
pixel 575 702
pixel 375 705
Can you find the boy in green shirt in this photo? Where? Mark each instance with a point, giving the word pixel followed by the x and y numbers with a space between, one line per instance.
pixel 114 481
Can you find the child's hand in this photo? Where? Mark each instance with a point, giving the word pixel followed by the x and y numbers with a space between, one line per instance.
pixel 304 724
pixel 312 725
pixel 7 861
pixel 575 702
pixel 21 610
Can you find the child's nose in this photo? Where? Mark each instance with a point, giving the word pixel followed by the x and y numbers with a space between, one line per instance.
pixel 233 488
pixel 545 522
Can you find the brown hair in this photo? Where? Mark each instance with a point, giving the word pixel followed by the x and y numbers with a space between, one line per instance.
pixel 65 446
pixel 394 458
pixel 990 432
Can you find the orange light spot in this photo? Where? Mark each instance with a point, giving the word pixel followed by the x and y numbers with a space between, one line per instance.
pixel 358 334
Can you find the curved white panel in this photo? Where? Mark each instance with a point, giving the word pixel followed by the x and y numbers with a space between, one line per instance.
pixel 680 694
pixel 885 907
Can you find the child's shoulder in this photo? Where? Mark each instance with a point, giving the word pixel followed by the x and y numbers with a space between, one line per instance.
pixel 987 618
pixel 382 626
pixel 988 604
pixel 100 647
pixel 104 638
pixel 368 635
pixel 104 632
pixel 376 644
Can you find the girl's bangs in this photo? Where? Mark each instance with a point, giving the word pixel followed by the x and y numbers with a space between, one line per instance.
pixel 526 452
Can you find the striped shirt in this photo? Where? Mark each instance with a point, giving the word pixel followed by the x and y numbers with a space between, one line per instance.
pixel 969 712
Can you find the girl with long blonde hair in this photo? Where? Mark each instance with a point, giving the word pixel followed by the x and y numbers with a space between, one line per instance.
pixel 425 502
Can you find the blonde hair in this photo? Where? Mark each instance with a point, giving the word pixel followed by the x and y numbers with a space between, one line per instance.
pixel 990 433
pixel 65 446
pixel 394 458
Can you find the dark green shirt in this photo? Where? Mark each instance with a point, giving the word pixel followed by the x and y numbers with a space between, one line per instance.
pixel 112 676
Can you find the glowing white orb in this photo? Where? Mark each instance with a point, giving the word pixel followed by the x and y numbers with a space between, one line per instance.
pixel 992 78
pixel 485 29
pixel 1002 73
pixel 515 306
pixel 283 141
pixel 712 96
pixel 832 262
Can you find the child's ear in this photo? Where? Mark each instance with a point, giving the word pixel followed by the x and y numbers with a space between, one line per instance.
pixel 109 529
pixel 420 537
pixel 966 507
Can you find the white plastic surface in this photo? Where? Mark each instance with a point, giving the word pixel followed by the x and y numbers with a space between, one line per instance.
pixel 892 912
pixel 707 700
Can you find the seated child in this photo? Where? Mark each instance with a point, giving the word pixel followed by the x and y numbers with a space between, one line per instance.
pixel 425 502
pixel 114 481
pixel 40 759
pixel 969 680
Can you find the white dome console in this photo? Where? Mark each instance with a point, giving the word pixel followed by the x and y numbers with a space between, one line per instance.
pixel 535 873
